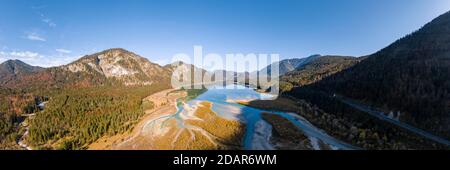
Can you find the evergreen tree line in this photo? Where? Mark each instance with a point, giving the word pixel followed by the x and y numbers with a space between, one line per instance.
pixel 75 118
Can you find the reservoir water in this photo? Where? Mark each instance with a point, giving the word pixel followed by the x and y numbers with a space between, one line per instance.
pixel 257 134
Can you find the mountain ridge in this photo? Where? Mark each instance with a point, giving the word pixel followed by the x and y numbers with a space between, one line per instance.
pixel 112 66
pixel 318 68
pixel 411 75
pixel 288 65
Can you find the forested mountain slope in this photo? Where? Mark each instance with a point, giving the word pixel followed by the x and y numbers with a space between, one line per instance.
pixel 412 76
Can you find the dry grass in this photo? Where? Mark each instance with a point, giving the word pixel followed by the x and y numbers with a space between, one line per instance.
pixel 210 133
pixel 165 142
pixel 228 132
pixel 286 135
pixel 218 133
pixel 200 142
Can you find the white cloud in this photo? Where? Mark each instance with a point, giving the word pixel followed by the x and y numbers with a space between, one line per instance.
pixel 39 6
pixel 35 37
pixel 24 54
pixel 63 51
pixel 36 59
pixel 47 20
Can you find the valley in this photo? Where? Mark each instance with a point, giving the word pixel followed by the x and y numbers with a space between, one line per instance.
pixel 394 99
pixel 212 120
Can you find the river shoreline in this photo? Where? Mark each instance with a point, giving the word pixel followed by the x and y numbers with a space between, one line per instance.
pixel 172 120
pixel 21 141
pixel 164 102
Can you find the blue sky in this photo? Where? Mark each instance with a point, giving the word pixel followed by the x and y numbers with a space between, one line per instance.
pixel 54 32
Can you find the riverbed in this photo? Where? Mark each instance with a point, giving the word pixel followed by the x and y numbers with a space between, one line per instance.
pixel 258 132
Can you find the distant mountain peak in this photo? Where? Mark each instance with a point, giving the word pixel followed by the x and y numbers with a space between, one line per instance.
pixel 118 50
pixel 14 61
pixel 288 65
pixel 16 67
pixel 119 64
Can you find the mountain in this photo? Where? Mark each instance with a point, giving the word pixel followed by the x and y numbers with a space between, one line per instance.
pixel 17 67
pixel 289 65
pixel 119 64
pixel 110 67
pixel 183 67
pixel 412 76
pixel 178 71
pixel 114 66
pixel 10 69
pixel 318 68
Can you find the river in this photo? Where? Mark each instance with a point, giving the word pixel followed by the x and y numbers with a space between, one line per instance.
pixel 258 131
